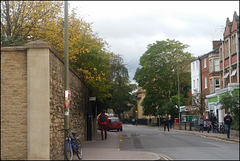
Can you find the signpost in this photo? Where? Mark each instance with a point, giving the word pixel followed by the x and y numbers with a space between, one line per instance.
pixel 66 73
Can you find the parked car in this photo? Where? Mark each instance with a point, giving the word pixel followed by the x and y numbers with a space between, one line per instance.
pixel 114 123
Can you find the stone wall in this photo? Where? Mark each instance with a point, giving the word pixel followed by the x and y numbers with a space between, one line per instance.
pixel 23 135
pixel 78 105
pixel 14 103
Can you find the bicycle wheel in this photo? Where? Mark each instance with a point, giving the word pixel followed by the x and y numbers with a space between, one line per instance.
pixel 79 151
pixel 68 150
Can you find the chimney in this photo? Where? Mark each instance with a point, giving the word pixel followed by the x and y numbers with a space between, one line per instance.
pixel 215 43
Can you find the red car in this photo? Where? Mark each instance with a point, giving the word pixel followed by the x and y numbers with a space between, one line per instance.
pixel 114 123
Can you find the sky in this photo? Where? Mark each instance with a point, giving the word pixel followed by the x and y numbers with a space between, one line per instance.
pixel 130 26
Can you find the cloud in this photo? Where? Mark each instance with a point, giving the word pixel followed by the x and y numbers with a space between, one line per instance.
pixel 129 26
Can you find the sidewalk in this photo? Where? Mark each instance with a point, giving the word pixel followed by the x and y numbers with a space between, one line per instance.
pixel 99 149
pixel 218 136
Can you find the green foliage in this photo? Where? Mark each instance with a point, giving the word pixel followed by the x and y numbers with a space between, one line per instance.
pixel 104 72
pixel 160 65
pixel 11 41
pixel 122 97
pixel 231 103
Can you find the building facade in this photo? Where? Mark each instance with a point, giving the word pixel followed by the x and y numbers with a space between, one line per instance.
pixel 219 69
pixel 229 67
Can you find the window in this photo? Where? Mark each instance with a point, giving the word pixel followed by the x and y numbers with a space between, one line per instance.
pixel 211 86
pixel 196 65
pixel 217 83
pixel 205 82
pixel 197 82
pixel 193 66
pixel 220 53
pixel 226 47
pixel 216 65
pixel 205 63
pixel 193 84
pixel 210 66
pixel 233 45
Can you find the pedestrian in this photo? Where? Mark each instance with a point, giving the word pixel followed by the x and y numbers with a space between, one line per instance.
pixel 171 122
pixel 102 121
pixel 213 120
pixel 228 122
pixel 166 122
pixel 201 122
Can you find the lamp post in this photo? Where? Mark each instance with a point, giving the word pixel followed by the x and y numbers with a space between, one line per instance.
pixel 66 73
pixel 179 113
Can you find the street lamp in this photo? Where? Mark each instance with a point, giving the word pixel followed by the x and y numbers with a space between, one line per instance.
pixel 179 114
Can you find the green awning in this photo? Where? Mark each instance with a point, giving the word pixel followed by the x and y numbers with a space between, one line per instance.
pixel 214 99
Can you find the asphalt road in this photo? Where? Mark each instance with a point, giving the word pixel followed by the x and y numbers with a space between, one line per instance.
pixel 176 146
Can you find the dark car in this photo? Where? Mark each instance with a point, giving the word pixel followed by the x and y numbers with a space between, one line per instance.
pixel 114 123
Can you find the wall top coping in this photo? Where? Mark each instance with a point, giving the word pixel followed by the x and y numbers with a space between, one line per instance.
pixel 37 44
pixel 30 45
pixel 13 48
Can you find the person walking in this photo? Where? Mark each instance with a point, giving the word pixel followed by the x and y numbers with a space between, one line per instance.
pixel 213 120
pixel 102 121
pixel 228 122
pixel 201 122
pixel 166 122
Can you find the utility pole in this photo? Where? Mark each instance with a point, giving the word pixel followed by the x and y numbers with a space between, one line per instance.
pixel 179 114
pixel 66 72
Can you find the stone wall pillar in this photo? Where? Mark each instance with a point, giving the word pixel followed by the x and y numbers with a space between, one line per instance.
pixel 38 113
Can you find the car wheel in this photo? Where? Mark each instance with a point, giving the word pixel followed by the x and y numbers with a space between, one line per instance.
pixel 120 129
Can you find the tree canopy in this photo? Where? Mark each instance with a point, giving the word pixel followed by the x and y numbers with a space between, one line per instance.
pixel 158 75
pixel 103 71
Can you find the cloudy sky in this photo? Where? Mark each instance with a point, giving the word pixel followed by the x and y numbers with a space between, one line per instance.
pixel 129 26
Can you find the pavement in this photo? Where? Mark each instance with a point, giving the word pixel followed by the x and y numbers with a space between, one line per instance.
pixel 109 149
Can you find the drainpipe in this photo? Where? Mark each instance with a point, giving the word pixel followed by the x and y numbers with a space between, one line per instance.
pixel 230 57
pixel 223 59
pixel 237 50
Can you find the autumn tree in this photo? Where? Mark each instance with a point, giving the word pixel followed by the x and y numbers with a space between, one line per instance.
pixel 21 21
pixel 160 65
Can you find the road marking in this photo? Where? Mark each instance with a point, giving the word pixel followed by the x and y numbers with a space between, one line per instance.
pixel 216 138
pixel 165 157
pixel 120 141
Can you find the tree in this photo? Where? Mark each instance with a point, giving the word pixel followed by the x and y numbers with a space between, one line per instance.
pixel 230 102
pixel 158 74
pixel 122 97
pixel 198 102
pixel 24 19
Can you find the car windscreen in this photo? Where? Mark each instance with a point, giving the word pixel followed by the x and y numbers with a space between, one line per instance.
pixel 114 120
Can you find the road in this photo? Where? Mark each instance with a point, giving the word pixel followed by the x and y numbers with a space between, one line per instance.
pixel 176 146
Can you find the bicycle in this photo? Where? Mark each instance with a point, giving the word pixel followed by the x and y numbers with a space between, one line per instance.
pixel 221 128
pixel 72 145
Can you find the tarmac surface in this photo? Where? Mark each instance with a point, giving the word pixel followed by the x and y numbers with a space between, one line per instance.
pixel 109 149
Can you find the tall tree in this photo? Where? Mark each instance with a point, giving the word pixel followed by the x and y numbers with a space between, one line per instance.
pixel 160 65
pixel 122 97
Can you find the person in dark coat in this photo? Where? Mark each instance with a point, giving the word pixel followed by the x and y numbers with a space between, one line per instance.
pixel 166 122
pixel 213 120
pixel 228 122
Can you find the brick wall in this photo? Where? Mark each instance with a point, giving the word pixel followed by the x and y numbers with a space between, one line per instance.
pixel 205 73
pixel 14 104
